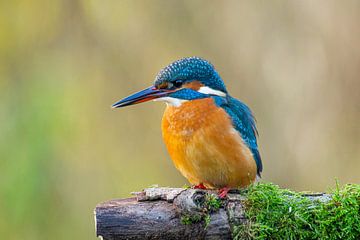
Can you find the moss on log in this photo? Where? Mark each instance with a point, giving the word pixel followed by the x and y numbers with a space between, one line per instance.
pixel 263 211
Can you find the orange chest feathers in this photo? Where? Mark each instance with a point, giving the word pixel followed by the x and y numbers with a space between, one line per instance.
pixel 190 117
pixel 205 147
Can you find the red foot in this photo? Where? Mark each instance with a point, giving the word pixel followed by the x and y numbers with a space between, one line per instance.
pixel 223 192
pixel 199 186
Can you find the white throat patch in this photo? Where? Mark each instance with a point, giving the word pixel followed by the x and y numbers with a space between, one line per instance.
pixel 171 101
pixel 207 90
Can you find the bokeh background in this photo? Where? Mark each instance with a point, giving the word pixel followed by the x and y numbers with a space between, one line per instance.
pixel 63 63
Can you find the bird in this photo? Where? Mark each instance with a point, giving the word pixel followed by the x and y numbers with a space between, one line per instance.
pixel 210 136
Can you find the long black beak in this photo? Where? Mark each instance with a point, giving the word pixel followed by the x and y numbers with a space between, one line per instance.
pixel 145 95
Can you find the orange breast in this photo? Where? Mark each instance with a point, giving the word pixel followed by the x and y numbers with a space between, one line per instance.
pixel 205 147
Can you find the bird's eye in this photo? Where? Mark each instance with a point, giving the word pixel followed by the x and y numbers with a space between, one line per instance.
pixel 163 85
pixel 178 83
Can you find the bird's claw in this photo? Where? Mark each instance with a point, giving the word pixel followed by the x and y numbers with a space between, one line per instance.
pixel 199 186
pixel 223 192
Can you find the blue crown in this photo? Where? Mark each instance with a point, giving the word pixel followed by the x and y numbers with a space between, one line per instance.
pixel 190 69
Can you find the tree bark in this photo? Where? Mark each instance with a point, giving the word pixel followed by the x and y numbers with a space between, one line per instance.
pixel 156 213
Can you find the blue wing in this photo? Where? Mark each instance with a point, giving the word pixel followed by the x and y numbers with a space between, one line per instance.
pixel 244 122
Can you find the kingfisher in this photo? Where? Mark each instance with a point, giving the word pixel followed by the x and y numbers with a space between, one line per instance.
pixel 211 137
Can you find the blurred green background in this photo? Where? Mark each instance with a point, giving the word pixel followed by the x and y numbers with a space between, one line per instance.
pixel 63 63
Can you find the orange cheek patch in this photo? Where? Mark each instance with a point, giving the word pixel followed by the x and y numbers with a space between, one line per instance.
pixel 195 85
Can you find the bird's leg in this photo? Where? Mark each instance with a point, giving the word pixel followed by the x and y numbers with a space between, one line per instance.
pixel 199 186
pixel 223 192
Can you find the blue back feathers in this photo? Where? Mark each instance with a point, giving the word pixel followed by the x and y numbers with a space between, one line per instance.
pixel 244 122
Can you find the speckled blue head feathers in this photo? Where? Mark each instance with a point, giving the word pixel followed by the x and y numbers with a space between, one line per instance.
pixel 191 69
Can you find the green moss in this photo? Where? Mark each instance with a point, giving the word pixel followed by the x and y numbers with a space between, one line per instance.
pixel 207 220
pixel 275 213
pixel 191 219
pixel 210 205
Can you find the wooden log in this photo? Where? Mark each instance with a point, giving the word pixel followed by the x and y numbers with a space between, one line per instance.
pixel 156 213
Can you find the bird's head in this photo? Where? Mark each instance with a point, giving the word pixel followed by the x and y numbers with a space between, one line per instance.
pixel 183 80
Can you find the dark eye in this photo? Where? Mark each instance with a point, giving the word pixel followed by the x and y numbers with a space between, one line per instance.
pixel 177 83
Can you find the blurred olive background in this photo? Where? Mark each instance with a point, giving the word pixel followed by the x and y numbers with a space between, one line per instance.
pixel 63 63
